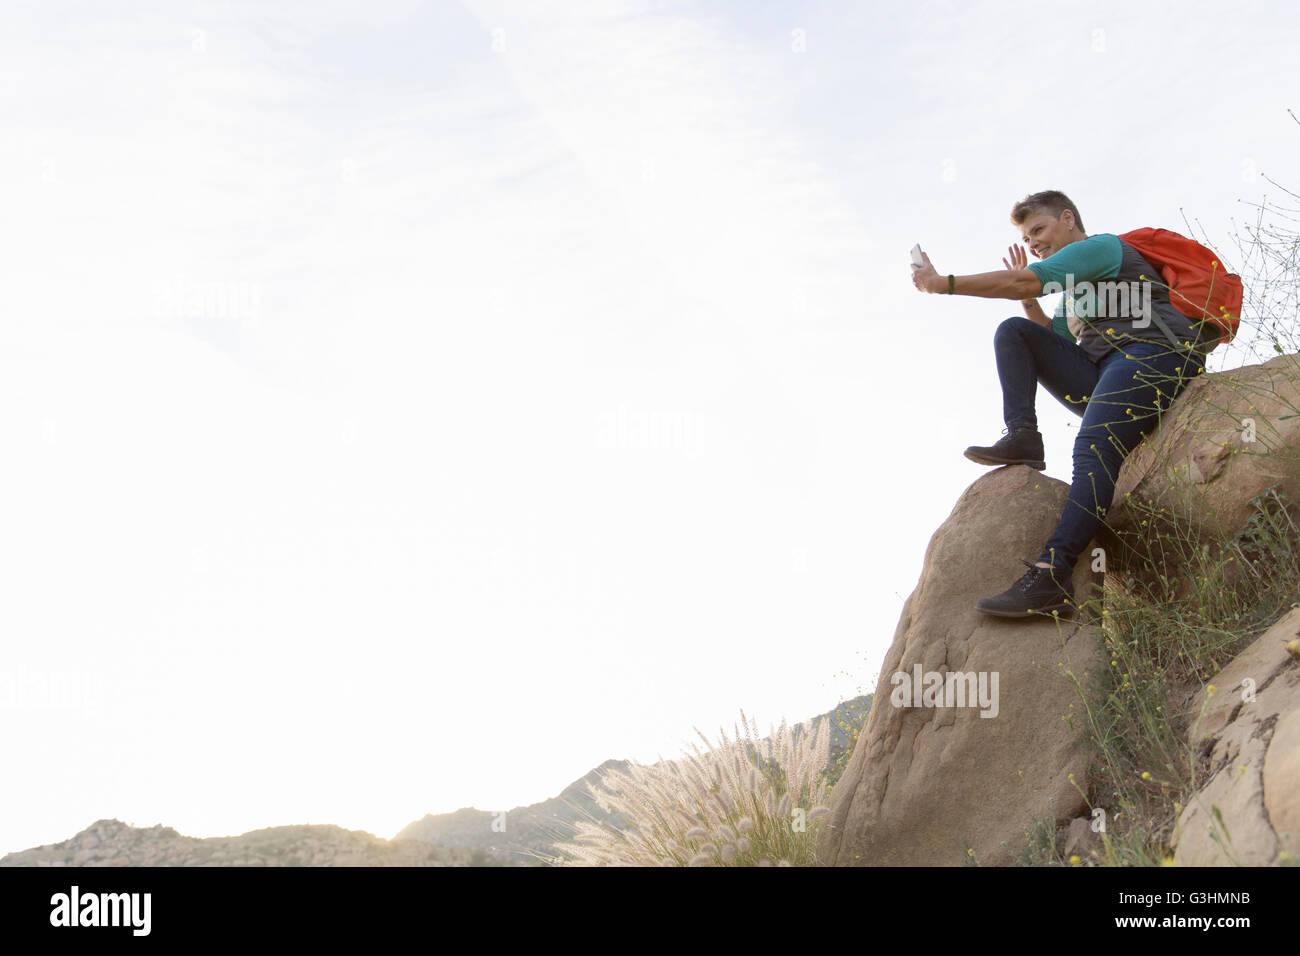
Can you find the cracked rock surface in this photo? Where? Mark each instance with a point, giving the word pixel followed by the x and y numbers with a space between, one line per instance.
pixel 1250 733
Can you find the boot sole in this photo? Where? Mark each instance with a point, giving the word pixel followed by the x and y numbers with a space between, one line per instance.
pixel 984 460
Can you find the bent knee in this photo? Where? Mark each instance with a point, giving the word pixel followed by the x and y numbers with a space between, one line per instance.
pixel 1014 325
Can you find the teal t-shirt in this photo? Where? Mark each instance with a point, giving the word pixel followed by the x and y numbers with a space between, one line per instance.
pixel 1097 257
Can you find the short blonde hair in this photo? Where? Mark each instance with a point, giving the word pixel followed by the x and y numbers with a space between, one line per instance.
pixel 1051 201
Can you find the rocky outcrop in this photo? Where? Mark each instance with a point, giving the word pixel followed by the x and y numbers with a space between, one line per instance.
pixel 114 843
pixel 928 784
pixel 1228 438
pixel 1247 733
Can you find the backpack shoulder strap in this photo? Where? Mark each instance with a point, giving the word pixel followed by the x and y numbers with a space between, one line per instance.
pixel 1160 324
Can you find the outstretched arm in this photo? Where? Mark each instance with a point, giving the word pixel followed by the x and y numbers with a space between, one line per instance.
pixel 1009 284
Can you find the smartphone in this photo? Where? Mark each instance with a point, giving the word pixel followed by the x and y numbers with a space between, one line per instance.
pixel 916 256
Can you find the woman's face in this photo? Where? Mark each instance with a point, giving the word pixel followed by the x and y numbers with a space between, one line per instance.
pixel 1045 234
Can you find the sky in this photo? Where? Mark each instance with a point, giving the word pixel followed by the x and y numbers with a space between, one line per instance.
pixel 408 406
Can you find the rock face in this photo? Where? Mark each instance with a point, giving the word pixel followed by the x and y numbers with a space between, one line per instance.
pixel 926 782
pixel 1228 438
pixel 1253 748
pixel 113 843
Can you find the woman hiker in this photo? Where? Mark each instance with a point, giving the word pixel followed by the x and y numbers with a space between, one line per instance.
pixel 1135 353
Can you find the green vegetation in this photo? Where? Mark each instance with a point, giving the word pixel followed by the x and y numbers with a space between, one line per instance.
pixel 1159 651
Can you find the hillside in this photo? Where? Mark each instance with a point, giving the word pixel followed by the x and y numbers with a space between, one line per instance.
pixel 114 843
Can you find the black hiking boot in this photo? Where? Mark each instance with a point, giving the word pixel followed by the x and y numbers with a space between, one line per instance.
pixel 1039 590
pixel 1017 446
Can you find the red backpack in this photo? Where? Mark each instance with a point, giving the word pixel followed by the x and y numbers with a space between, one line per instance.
pixel 1200 287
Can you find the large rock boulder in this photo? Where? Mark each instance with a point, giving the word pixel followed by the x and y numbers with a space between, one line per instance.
pixel 928 783
pixel 1228 438
pixel 1247 734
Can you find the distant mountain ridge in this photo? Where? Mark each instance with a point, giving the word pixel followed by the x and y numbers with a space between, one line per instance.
pixel 114 843
pixel 463 838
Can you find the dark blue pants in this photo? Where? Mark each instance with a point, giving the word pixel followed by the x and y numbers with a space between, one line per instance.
pixel 1120 399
